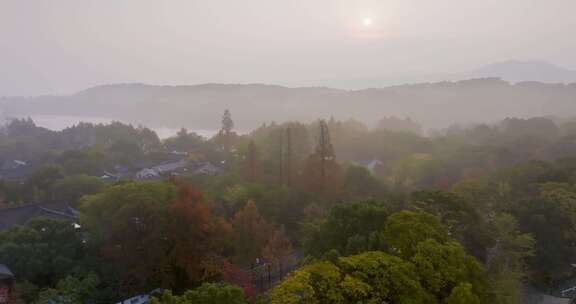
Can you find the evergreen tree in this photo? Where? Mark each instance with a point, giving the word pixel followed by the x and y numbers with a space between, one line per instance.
pixel 227 122
pixel 281 158
pixel 225 133
pixel 252 161
pixel 288 155
pixel 321 172
pixel 324 151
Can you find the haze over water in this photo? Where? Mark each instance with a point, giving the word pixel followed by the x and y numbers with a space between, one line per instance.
pixel 59 122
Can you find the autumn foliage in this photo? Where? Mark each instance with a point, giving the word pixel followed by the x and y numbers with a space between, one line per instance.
pixel 163 232
pixel 198 236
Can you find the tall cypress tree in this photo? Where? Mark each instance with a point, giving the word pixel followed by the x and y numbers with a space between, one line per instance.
pixel 324 150
pixel 252 159
pixel 281 158
pixel 288 156
pixel 227 122
pixel 225 133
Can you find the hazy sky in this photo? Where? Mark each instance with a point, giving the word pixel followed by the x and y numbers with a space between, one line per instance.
pixel 62 46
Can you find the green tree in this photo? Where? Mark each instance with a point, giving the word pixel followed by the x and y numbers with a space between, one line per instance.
pixel 324 152
pixel 207 293
pixel 236 196
pixel 487 195
pixel 184 141
pixel 13 193
pixel 71 188
pixel 443 266
pixel 130 221
pixel 43 180
pixel 322 174
pixel 416 170
pixel 43 251
pixel 457 214
pixel 126 151
pixel 86 161
pixel 370 277
pixel 348 228
pixel 361 184
pixel 225 135
pixel 24 292
pixel 507 261
pixel 462 294
pixel 227 122
pixel 550 218
pixel 71 290
pixel 288 157
pixel 252 161
pixel 426 266
pixel 404 230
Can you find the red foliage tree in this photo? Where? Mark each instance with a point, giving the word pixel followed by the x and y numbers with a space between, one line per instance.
pixel 198 236
pixel 235 275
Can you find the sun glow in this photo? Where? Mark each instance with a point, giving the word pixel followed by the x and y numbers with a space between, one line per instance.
pixel 371 19
pixel 367 22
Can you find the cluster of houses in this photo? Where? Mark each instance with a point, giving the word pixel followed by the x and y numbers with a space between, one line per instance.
pixel 182 166
pixel 20 170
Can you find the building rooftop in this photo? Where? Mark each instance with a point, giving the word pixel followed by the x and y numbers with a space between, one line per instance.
pixel 19 215
pixel 5 273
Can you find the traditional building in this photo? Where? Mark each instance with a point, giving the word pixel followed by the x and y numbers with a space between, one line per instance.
pixel 20 215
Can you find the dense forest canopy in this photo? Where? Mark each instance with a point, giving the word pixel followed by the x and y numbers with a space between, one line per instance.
pixel 325 212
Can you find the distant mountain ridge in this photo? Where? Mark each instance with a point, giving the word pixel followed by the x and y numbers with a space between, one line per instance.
pixel 435 105
pixel 511 71
pixel 520 71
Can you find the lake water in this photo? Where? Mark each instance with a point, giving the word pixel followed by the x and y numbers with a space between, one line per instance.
pixel 59 122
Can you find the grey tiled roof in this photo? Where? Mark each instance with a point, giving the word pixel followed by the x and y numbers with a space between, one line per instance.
pixel 5 273
pixel 21 214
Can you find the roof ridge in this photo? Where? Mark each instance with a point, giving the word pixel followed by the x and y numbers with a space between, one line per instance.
pixel 56 212
pixel 21 206
pixel 39 205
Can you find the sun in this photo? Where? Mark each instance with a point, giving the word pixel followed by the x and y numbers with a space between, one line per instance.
pixel 367 22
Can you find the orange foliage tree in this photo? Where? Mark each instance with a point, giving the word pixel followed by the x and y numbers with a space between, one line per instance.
pixel 256 238
pixel 278 248
pixel 199 237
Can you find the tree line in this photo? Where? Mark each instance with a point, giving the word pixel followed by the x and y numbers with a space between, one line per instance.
pixel 467 215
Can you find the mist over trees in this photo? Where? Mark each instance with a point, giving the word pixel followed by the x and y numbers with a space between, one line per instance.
pixel 294 211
